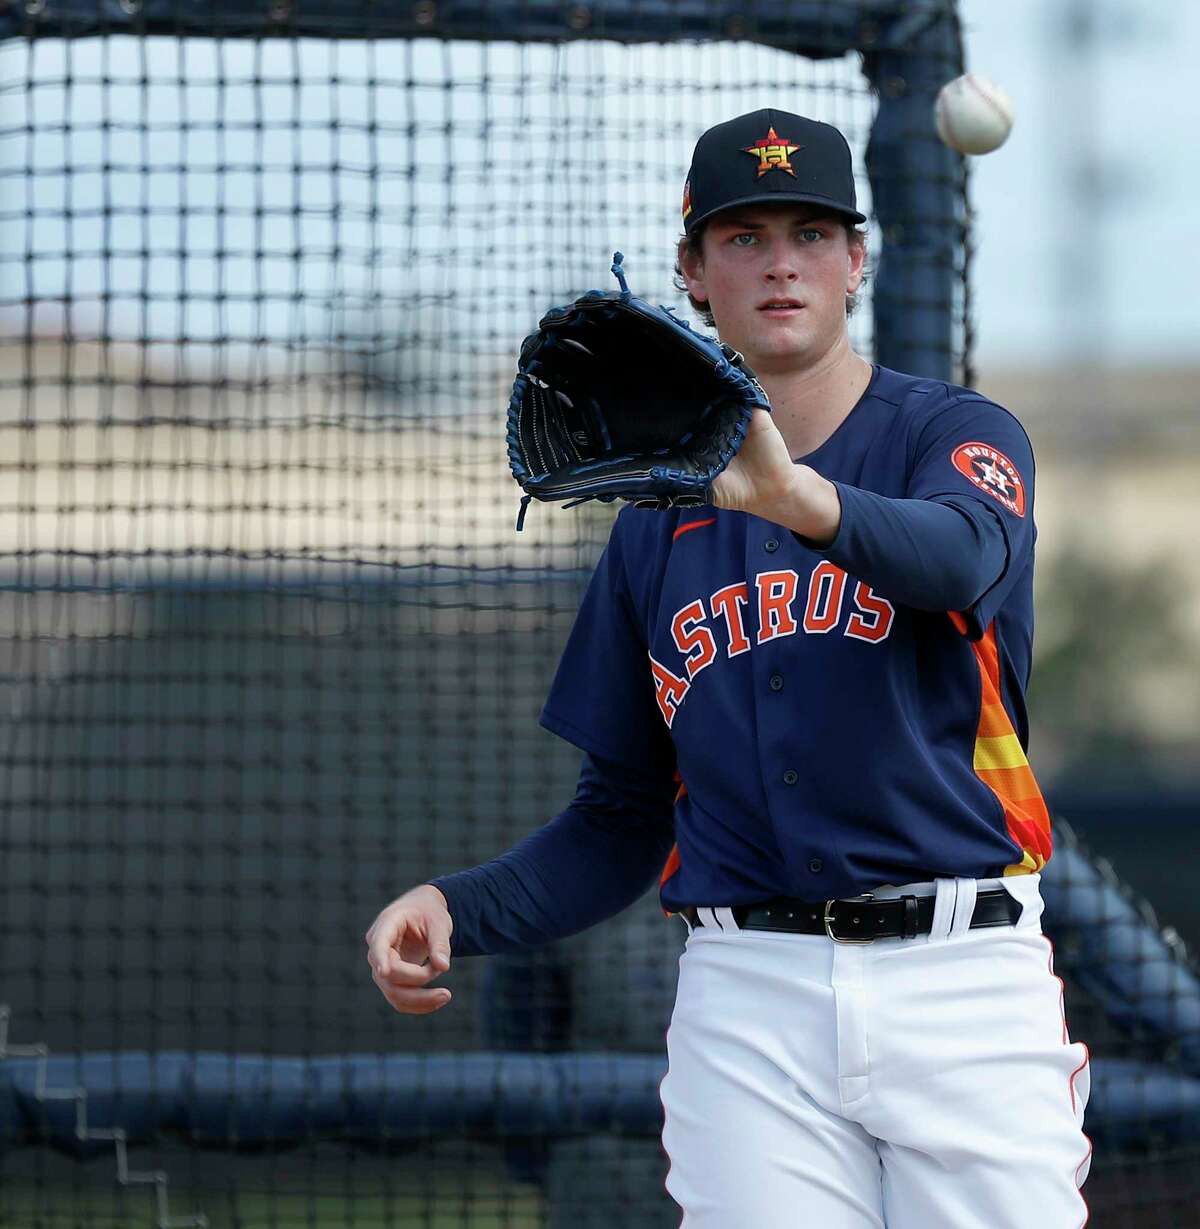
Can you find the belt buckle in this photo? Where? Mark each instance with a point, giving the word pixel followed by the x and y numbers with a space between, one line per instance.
pixel 828 918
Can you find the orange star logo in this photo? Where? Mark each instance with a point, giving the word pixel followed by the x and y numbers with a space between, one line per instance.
pixel 687 199
pixel 772 153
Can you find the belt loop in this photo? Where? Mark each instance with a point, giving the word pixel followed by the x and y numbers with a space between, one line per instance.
pixel 911 917
pixel 725 919
pixel 964 906
pixel 945 892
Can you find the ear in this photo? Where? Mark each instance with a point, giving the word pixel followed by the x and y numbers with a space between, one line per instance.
pixel 856 262
pixel 691 266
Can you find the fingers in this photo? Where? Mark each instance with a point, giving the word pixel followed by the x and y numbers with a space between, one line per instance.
pixel 439 943
pixel 391 969
pixel 380 941
pixel 384 944
pixel 384 957
pixel 419 932
pixel 400 937
pixel 412 1002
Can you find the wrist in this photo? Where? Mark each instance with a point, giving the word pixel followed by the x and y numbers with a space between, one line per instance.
pixel 812 507
pixel 439 895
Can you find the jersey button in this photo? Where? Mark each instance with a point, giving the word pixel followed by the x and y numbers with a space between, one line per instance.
pixel 771 545
pixel 776 682
pixel 816 866
pixel 791 777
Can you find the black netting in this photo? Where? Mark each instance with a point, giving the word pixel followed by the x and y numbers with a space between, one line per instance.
pixel 270 649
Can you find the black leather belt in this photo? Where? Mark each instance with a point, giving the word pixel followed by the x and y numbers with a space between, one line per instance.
pixel 863 918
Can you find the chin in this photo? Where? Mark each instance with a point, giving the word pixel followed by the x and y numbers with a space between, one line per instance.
pixel 785 343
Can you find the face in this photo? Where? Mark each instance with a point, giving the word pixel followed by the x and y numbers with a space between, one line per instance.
pixel 775 278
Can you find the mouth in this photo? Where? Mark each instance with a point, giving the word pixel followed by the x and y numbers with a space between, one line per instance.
pixel 781 307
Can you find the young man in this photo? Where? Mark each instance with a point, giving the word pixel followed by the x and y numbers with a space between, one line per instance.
pixel 804 705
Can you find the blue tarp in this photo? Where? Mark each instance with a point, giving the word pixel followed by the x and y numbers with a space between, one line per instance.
pixel 232 1101
pixel 1119 956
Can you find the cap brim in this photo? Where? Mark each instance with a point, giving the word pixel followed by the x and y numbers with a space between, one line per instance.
pixel 783 198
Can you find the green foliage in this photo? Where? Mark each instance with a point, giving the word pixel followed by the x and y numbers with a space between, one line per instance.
pixel 1114 696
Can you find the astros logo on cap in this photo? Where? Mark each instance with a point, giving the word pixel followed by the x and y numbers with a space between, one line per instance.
pixel 687 199
pixel 772 153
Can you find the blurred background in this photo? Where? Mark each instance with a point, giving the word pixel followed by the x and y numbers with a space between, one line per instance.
pixel 271 649
pixel 1086 233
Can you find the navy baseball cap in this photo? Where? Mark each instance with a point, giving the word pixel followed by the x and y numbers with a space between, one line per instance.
pixel 768 156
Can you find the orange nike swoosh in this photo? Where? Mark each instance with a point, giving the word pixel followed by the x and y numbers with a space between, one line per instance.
pixel 712 520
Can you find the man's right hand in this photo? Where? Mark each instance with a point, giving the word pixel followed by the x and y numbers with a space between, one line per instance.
pixel 408 946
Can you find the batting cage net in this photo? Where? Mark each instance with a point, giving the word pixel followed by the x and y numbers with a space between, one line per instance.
pixel 270 648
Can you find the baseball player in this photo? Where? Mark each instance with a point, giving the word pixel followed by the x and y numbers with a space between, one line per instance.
pixel 801 710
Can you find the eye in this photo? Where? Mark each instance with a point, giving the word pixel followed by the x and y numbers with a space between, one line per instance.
pixel 736 240
pixel 811 234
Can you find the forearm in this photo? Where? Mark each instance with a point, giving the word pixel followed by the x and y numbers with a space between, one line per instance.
pixel 921 553
pixel 590 862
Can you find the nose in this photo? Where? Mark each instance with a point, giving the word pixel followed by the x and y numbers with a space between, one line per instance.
pixel 781 268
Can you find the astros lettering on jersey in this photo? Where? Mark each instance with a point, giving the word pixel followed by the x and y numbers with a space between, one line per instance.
pixel 881 743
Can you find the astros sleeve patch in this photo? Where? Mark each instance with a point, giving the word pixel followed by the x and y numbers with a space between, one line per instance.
pixel 973 454
pixel 992 472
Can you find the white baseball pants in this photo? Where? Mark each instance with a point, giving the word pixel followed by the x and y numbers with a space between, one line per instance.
pixel 923 1083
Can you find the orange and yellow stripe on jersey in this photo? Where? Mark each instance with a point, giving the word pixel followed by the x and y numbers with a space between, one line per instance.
pixel 672 863
pixel 1000 762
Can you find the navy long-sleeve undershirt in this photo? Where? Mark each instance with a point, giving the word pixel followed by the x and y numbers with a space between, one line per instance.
pixel 609 846
pixel 588 863
pixel 927 554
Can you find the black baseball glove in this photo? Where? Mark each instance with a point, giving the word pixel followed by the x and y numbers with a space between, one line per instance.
pixel 617 399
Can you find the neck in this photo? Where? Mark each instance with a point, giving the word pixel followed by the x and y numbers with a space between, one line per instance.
pixel 808 404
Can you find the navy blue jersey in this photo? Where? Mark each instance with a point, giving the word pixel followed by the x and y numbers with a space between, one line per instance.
pixel 827 736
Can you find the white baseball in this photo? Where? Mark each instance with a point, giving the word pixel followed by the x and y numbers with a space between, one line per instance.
pixel 973 114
